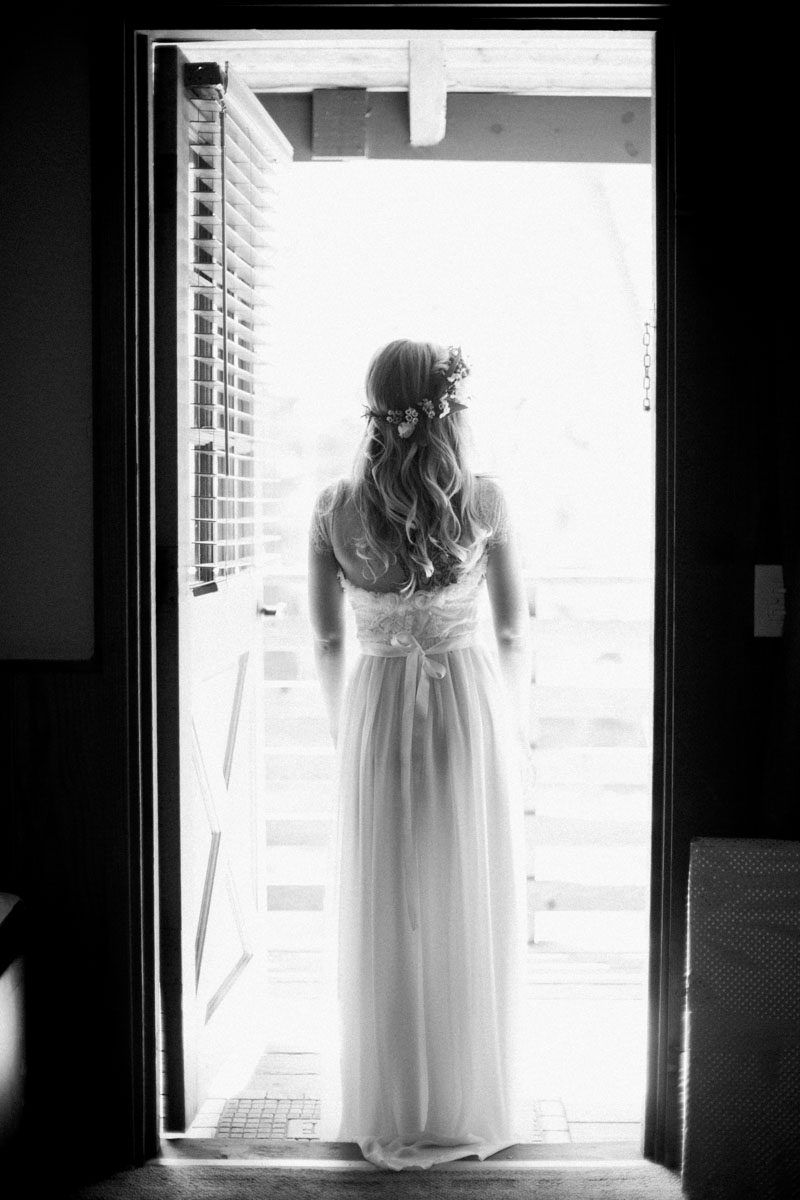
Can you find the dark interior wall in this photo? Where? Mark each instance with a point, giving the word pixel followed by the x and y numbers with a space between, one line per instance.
pixel 47 597
pixel 733 760
pixel 67 821
pixel 736 482
pixel 70 818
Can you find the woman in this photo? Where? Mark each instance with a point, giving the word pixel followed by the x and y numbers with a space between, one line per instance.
pixel 430 874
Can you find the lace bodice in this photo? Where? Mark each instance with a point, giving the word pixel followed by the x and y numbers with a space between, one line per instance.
pixel 430 617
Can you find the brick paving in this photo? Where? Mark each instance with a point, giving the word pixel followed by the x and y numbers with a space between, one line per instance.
pixel 281 1103
pixel 269 1117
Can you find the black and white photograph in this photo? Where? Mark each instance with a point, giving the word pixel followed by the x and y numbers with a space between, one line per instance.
pixel 401 680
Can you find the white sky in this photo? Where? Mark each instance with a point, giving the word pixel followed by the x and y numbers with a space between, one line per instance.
pixel 542 272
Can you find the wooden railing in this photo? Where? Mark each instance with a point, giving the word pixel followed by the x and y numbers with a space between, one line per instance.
pixel 587 814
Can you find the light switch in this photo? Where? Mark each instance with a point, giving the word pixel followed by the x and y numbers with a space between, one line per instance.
pixel 769 602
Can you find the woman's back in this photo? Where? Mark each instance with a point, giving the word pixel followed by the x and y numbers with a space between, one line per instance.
pixel 338 524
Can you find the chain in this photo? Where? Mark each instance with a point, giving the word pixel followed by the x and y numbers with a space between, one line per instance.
pixel 647 362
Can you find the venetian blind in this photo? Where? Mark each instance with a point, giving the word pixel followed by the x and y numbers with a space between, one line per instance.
pixel 237 155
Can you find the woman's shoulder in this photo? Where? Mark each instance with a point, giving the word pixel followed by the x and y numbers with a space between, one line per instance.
pixel 488 488
pixel 492 508
pixel 332 496
pixel 328 501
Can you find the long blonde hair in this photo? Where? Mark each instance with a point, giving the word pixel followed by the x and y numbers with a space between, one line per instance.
pixel 416 496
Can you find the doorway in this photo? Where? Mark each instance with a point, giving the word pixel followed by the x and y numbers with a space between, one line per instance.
pixel 590 592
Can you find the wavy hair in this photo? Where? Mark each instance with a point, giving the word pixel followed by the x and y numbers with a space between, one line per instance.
pixel 416 496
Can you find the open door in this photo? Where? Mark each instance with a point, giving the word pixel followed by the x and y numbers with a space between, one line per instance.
pixel 217 168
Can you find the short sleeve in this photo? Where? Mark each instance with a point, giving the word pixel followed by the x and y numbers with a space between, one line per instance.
pixel 320 537
pixel 493 511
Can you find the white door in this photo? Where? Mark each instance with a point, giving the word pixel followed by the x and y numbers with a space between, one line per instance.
pixel 217 169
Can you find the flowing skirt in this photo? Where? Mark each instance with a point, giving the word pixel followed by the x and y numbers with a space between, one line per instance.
pixel 429 1015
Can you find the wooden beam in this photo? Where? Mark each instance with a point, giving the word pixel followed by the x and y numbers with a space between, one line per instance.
pixel 427 92
pixel 599 63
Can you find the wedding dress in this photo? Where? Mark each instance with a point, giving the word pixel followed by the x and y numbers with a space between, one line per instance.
pixel 430 877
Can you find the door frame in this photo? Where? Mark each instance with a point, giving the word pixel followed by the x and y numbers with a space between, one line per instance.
pixel 131 267
pixel 666 974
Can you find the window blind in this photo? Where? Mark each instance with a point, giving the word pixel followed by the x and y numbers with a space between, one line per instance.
pixel 236 158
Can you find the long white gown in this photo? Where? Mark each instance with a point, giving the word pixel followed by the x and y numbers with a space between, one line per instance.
pixel 430 883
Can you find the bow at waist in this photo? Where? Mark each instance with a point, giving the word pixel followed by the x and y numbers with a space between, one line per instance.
pixel 416 698
pixel 404 644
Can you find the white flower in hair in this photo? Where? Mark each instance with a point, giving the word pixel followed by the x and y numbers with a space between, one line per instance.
pixel 407 427
pixel 455 373
pixel 451 399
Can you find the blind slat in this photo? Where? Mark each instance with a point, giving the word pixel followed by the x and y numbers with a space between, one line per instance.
pixel 233 181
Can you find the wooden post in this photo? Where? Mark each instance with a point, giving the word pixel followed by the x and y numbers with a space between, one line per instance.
pixel 427 92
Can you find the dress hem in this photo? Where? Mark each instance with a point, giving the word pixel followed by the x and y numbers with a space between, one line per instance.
pixel 399 1155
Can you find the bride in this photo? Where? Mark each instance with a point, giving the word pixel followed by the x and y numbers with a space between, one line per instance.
pixel 430 729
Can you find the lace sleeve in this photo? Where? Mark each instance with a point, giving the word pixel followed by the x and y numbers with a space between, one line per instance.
pixel 320 528
pixel 493 511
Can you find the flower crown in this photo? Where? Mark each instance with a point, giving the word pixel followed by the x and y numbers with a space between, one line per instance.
pixel 453 374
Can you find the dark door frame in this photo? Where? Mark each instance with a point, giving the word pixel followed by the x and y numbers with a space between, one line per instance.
pixel 663 1116
pixel 128 265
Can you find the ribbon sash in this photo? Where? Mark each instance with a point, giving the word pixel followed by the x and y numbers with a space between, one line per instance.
pixel 418 671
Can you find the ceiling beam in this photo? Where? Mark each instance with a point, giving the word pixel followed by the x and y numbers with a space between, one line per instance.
pixel 427 92
pixel 598 63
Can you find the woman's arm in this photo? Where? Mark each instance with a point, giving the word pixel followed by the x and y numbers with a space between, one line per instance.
pixel 326 611
pixel 509 603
